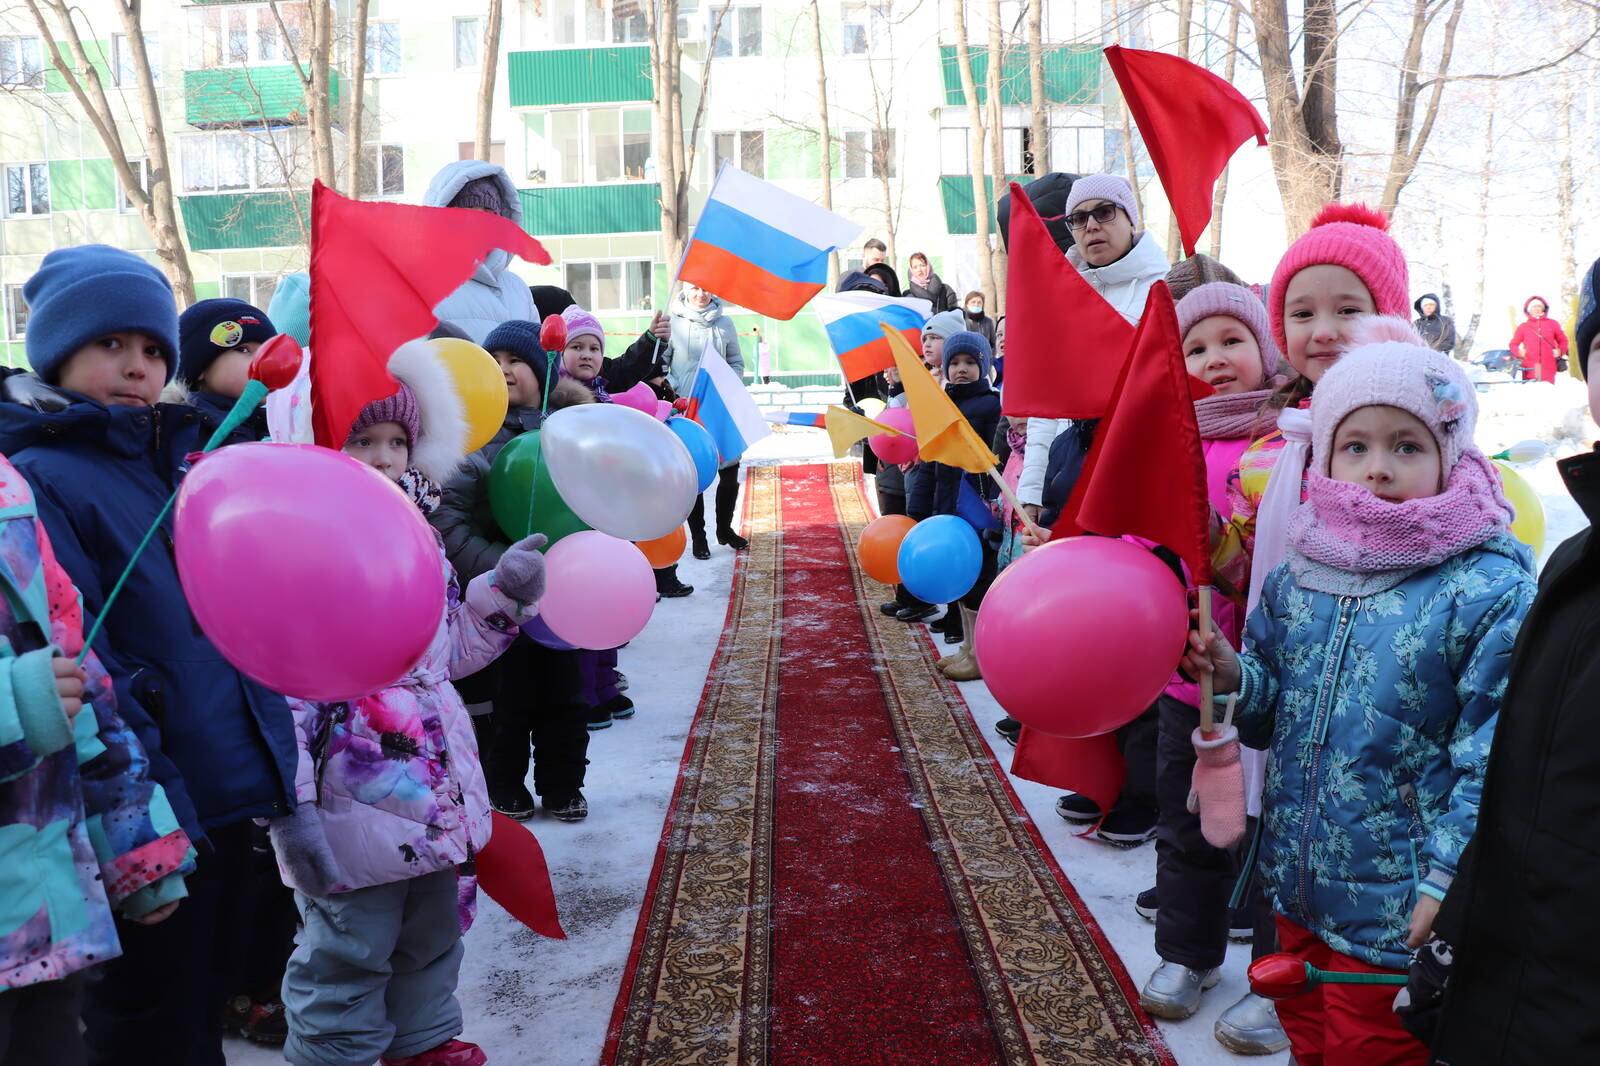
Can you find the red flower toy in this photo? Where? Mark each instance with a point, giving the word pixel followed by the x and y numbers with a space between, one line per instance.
pixel 1284 976
pixel 553 334
pixel 276 362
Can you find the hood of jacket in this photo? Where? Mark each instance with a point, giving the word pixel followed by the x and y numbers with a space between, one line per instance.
pixel 442 437
pixel 1438 307
pixel 445 184
pixel 705 316
pixel 1125 283
pixel 1529 302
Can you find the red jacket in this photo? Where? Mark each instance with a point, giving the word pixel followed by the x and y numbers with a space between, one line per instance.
pixel 1536 342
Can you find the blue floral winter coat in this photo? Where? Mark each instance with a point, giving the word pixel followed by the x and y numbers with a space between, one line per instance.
pixel 1377 713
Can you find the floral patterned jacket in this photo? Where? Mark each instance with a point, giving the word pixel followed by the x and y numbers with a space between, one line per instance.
pixel 1377 713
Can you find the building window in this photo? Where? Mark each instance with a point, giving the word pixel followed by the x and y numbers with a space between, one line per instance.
pixel 745 149
pixel 869 153
pixel 123 72
pixel 254 289
pixel 865 28
pixel 141 168
pixel 469 150
pixel 627 23
pixel 27 189
pixel 16 313
pixel 244 34
pixel 614 285
pixel 383 170
pixel 598 144
pixel 243 160
pixel 1078 149
pixel 740 33
pixel 469 42
pixel 21 63
pixel 383 49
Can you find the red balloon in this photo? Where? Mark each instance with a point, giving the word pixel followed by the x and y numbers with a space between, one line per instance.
pixel 1280 976
pixel 1078 637
pixel 276 362
pixel 553 334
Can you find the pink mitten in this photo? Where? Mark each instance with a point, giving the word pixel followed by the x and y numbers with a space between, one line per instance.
pixel 1218 786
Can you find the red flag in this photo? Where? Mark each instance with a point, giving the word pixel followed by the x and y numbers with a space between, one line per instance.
pixel 512 870
pixel 1065 345
pixel 1092 766
pixel 1146 471
pixel 377 271
pixel 1192 122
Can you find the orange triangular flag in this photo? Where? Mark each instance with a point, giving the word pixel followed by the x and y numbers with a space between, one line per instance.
pixel 943 433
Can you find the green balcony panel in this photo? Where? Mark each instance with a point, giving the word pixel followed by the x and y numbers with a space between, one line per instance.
pixel 96 53
pixel 245 220
pixel 559 76
pixel 232 96
pixel 1072 75
pixel 584 209
pixel 955 191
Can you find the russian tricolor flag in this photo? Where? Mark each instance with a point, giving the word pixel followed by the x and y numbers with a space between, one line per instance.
pixel 797 418
pixel 719 401
pixel 853 321
pixel 761 247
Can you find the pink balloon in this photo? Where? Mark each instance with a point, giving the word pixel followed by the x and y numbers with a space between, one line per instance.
pixel 641 398
pixel 311 572
pixel 1078 637
pixel 663 410
pixel 598 591
pixel 890 448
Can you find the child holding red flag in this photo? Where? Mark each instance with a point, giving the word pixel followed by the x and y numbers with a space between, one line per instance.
pixel 1372 672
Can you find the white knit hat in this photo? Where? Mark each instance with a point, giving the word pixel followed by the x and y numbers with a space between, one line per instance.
pixel 1105 187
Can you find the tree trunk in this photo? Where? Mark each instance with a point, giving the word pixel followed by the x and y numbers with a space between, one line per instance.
pixel 358 89
pixel 1185 31
pixel 1479 246
pixel 997 154
pixel 483 145
pixel 1220 194
pixel 157 206
pixel 825 135
pixel 1307 158
pixel 1410 136
pixel 319 106
pixel 661 20
pixel 1040 134
pixel 1131 155
pixel 969 90
pixel 1566 220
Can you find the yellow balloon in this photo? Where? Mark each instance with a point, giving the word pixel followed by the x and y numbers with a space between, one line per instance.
pixel 872 407
pixel 1529 525
pixel 480 385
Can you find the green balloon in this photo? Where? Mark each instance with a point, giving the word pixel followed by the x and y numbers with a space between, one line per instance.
pixel 518 474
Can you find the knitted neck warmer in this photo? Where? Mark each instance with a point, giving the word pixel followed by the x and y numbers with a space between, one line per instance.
pixel 1348 542
pixel 1232 417
pixel 422 492
pixel 1017 434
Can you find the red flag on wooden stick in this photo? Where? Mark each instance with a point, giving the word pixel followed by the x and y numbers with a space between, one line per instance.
pixel 1091 766
pixel 1192 122
pixel 1146 471
pixel 377 272
pixel 1065 345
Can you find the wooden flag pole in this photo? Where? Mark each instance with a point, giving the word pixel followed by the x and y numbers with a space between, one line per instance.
pixel 1207 679
pixel 1040 533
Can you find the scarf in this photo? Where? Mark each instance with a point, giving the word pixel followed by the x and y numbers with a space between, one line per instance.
pixel 1231 417
pixel 1348 542
pixel 422 492
pixel 1280 500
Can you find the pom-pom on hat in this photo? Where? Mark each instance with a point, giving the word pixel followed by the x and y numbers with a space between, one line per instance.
pixel 1355 237
pixel 971 344
pixel 1389 365
pixel 210 327
pixel 94 290
pixel 1105 187
pixel 581 323
pixel 1237 302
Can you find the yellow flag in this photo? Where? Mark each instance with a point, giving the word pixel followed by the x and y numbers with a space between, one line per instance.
pixel 943 433
pixel 845 427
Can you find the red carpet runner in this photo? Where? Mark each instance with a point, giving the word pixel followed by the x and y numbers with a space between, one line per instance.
pixel 845 878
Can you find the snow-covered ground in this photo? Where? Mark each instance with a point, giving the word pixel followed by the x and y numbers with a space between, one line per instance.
pixel 536 1002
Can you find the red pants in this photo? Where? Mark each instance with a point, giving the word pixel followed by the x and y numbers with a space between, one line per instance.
pixel 1343 1025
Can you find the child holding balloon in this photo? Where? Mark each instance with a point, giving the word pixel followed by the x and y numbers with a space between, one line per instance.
pixel 390 799
pixel 1372 671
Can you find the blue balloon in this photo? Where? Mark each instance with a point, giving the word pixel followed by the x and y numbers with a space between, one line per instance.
pixel 701 447
pixel 940 559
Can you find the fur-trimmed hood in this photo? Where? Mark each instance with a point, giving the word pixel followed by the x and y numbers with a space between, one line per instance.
pixel 442 441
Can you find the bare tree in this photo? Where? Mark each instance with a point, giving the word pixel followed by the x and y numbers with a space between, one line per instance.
pixel 354 149
pixel 156 204
pixel 824 137
pixel 969 90
pixel 1220 194
pixel 1185 31
pixel 1411 132
pixel 314 83
pixel 1307 155
pixel 482 144
pixel 997 154
pixel 1040 146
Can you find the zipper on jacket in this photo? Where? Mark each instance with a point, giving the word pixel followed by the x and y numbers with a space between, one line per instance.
pixel 1323 711
pixel 322 738
pixel 1414 828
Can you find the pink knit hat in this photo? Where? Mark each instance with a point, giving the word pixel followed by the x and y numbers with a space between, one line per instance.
pixel 1389 365
pixel 1355 237
pixel 400 408
pixel 1237 302
pixel 1104 187
pixel 581 323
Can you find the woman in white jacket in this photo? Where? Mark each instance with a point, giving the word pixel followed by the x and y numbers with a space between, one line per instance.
pixel 1122 261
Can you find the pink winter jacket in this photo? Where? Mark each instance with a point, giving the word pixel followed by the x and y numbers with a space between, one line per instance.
pixel 395 775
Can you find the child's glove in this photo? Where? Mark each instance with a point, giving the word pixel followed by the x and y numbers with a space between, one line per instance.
pixel 505 596
pixel 303 850
pixel 1217 788
pixel 1420 1002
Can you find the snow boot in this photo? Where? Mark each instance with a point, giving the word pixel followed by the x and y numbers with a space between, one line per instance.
pixel 963 666
pixel 450 1053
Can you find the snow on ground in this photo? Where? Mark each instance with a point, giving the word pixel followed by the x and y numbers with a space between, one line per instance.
pixel 536 1002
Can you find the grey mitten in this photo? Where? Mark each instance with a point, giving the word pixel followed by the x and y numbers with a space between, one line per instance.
pixel 303 850
pixel 520 572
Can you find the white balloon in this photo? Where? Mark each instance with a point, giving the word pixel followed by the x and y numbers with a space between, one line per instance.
pixel 621 471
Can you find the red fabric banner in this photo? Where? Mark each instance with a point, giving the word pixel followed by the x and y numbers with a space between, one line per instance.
pixel 512 870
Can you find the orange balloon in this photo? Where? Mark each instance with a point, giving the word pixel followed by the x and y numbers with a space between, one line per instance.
pixel 664 551
pixel 879 547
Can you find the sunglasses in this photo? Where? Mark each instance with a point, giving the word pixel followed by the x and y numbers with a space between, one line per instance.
pixel 1102 214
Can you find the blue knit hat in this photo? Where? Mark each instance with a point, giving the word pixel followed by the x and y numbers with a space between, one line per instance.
pixel 968 343
pixel 82 294
pixel 211 327
pixel 519 338
pixel 1588 316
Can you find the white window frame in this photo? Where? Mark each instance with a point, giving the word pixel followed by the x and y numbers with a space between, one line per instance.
pixel 730 37
pixel 257 23
pixel 737 158
pixel 457 24
pixel 376 149
pixel 255 297
pixel 141 167
pixel 613 37
pixel 28 211
pixel 26 79
pixel 119 44
pixel 13 298
pixel 873 19
pixel 375 30
pixel 862 145
pixel 623 262
pixel 253 136
pixel 588 169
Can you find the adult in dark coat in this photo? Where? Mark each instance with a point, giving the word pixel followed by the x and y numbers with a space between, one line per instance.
pixel 885 275
pixel 973 309
pixel 926 285
pixel 640 361
pixel 1435 327
pixel 1521 915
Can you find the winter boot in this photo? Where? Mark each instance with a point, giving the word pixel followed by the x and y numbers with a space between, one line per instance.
pixel 450 1053
pixel 1173 991
pixel 963 666
pixel 727 496
pixel 572 808
pixel 1251 1027
pixel 668 585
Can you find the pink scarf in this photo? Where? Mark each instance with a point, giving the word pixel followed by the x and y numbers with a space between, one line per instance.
pixel 1346 541
pixel 1232 417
